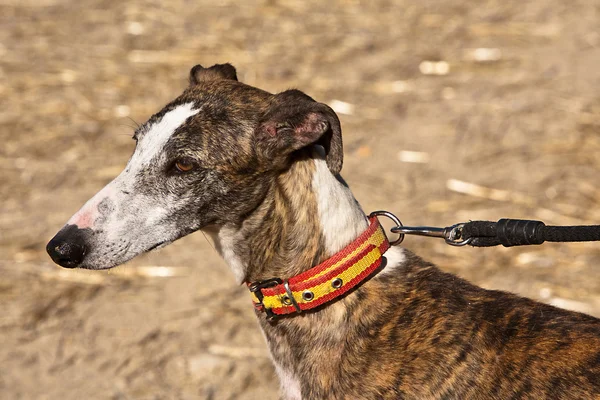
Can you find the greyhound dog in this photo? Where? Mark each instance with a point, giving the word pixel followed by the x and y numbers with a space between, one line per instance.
pixel 345 315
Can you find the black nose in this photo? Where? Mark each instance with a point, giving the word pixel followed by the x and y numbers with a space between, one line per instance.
pixel 68 247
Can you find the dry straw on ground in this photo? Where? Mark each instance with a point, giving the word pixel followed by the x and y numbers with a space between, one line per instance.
pixel 451 111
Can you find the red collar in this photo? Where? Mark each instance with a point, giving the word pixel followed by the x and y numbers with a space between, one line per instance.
pixel 325 282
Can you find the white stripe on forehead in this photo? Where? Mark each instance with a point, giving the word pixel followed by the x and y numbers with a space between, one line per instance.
pixel 157 135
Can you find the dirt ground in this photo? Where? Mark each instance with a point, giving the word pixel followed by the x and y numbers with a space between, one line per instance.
pixel 451 110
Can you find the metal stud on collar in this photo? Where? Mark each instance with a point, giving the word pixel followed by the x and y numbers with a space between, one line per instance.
pixel 307 295
pixel 337 283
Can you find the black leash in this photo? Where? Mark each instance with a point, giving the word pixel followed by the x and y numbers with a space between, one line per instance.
pixel 519 232
pixel 505 232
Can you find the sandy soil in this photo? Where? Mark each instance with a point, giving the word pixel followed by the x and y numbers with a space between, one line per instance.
pixel 521 116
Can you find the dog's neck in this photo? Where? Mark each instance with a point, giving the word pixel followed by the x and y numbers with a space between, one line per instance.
pixel 307 216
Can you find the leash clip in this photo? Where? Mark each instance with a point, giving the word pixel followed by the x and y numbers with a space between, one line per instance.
pixel 451 234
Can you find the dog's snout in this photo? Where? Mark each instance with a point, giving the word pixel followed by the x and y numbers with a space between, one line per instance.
pixel 68 247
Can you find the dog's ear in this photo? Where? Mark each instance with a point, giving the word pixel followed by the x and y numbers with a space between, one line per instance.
pixel 294 121
pixel 219 71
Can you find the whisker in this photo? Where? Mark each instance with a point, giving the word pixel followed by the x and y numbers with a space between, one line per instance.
pixel 134 121
pixel 208 241
pixel 129 126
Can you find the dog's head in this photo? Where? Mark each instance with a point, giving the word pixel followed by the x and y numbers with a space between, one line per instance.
pixel 207 158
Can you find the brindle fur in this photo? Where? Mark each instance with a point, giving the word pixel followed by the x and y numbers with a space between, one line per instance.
pixel 421 333
pixel 426 334
pixel 412 333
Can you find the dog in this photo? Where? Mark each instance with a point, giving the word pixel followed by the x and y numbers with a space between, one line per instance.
pixel 259 172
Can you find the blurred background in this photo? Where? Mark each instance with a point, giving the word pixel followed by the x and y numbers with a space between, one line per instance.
pixel 451 110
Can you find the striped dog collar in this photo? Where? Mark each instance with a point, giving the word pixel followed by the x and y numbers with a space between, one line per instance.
pixel 325 282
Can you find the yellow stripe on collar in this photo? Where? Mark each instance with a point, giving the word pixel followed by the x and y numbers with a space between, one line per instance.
pixel 326 281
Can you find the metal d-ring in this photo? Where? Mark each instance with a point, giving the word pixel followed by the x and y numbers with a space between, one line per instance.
pixel 393 218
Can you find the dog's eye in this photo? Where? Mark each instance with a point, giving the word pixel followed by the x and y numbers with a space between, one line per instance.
pixel 184 165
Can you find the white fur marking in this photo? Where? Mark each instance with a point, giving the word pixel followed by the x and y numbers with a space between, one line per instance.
pixel 153 141
pixel 86 216
pixel 150 145
pixel 395 256
pixel 342 219
pixel 226 240
pixel 290 387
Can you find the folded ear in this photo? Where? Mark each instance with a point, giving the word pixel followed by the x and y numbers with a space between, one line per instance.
pixel 218 71
pixel 295 121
